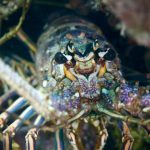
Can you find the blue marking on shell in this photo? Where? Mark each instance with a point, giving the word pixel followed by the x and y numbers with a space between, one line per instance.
pixel 145 100
pixel 125 91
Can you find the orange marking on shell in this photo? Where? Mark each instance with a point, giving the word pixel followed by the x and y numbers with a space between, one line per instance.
pixel 68 74
pixel 102 70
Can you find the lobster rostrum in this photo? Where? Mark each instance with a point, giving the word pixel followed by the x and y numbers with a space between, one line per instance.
pixel 80 82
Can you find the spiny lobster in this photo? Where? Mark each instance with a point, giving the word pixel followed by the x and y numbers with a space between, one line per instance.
pixel 80 82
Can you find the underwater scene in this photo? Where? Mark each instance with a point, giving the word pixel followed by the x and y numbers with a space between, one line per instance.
pixel 75 75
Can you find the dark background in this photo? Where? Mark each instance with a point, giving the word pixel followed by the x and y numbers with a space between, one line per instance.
pixel 134 58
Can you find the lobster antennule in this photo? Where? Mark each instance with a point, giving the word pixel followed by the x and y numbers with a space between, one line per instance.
pixel 25 115
pixel 18 104
pixel 39 121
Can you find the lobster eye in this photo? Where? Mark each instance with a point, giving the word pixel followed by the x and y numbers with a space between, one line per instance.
pixel 95 45
pixel 70 47
pixel 60 58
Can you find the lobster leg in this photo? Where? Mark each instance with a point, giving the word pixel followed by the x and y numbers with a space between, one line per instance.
pixel 32 135
pixel 59 140
pixel 18 104
pixel 7 142
pixel 102 133
pixel 71 132
pixel 127 138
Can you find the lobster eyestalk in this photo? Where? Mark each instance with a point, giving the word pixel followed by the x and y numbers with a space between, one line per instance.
pixel 35 97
